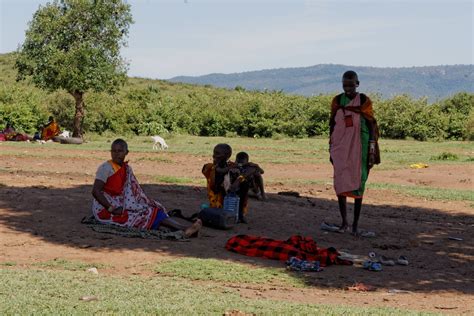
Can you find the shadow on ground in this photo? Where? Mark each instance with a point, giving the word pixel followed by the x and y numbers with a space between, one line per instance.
pixel 437 263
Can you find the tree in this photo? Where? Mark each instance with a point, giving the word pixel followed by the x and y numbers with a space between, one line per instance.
pixel 75 45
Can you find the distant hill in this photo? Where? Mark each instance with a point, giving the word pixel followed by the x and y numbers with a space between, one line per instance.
pixel 435 82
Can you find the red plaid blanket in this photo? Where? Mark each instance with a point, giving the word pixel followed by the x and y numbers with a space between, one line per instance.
pixel 304 248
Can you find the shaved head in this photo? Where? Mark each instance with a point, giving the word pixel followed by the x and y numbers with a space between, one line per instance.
pixel 350 75
pixel 120 142
pixel 221 154
pixel 225 148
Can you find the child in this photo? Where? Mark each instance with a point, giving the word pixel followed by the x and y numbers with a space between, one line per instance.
pixel 222 176
pixel 353 146
pixel 253 174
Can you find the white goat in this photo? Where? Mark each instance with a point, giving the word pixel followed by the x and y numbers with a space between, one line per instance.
pixel 159 141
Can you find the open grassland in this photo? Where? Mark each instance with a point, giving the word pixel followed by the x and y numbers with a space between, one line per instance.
pixel 287 152
pixel 396 154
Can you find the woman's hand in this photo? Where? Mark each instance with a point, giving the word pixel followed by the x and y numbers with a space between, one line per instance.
pixel 371 160
pixel 117 211
pixel 371 153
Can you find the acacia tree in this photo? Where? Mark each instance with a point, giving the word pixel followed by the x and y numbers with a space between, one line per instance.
pixel 75 45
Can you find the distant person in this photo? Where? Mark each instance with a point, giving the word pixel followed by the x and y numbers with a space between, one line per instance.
pixel 8 129
pixel 223 177
pixel 9 133
pixel 50 130
pixel 119 199
pixel 353 146
pixel 253 174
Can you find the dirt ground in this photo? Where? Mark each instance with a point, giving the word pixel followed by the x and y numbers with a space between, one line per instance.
pixel 43 201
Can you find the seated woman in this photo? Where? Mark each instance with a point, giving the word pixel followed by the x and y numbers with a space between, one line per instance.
pixel 50 130
pixel 119 199
pixel 9 133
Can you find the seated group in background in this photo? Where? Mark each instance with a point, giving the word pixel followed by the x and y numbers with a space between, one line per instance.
pixel 10 134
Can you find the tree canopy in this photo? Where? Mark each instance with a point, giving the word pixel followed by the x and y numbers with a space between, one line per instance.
pixel 75 45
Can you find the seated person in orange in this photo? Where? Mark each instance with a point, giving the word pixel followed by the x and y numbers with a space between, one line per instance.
pixel 50 130
pixel 119 199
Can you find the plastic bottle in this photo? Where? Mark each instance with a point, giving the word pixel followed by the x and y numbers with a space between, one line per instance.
pixel 231 205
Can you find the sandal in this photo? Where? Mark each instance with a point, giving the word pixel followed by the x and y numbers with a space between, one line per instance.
pixel 386 261
pixel 402 260
pixel 372 266
pixel 363 233
pixel 342 230
pixel 329 227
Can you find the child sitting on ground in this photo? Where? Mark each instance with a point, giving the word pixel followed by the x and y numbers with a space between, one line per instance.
pixel 222 177
pixel 253 174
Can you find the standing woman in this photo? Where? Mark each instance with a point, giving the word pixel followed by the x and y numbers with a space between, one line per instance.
pixel 352 145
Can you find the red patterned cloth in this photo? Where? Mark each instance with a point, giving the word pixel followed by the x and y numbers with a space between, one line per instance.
pixel 304 248
pixel 122 189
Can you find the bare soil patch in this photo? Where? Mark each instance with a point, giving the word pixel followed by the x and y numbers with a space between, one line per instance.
pixel 42 201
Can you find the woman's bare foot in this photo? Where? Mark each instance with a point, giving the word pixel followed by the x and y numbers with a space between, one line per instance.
pixel 193 229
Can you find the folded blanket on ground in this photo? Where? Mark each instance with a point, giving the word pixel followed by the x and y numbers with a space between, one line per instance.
pixel 162 233
pixel 304 248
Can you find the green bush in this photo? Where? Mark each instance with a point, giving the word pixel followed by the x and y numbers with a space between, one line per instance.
pixel 23 109
pixel 149 107
pixel 458 112
pixel 469 132
pixel 445 156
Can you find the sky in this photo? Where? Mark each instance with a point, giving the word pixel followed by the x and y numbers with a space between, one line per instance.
pixel 195 37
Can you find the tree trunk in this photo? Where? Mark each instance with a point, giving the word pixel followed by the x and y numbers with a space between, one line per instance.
pixel 79 115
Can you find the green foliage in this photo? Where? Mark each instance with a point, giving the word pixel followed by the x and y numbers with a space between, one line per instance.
pixel 469 132
pixel 318 115
pixel 445 156
pixel 75 46
pixel 403 117
pixel 22 109
pixel 149 107
pixel 458 111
